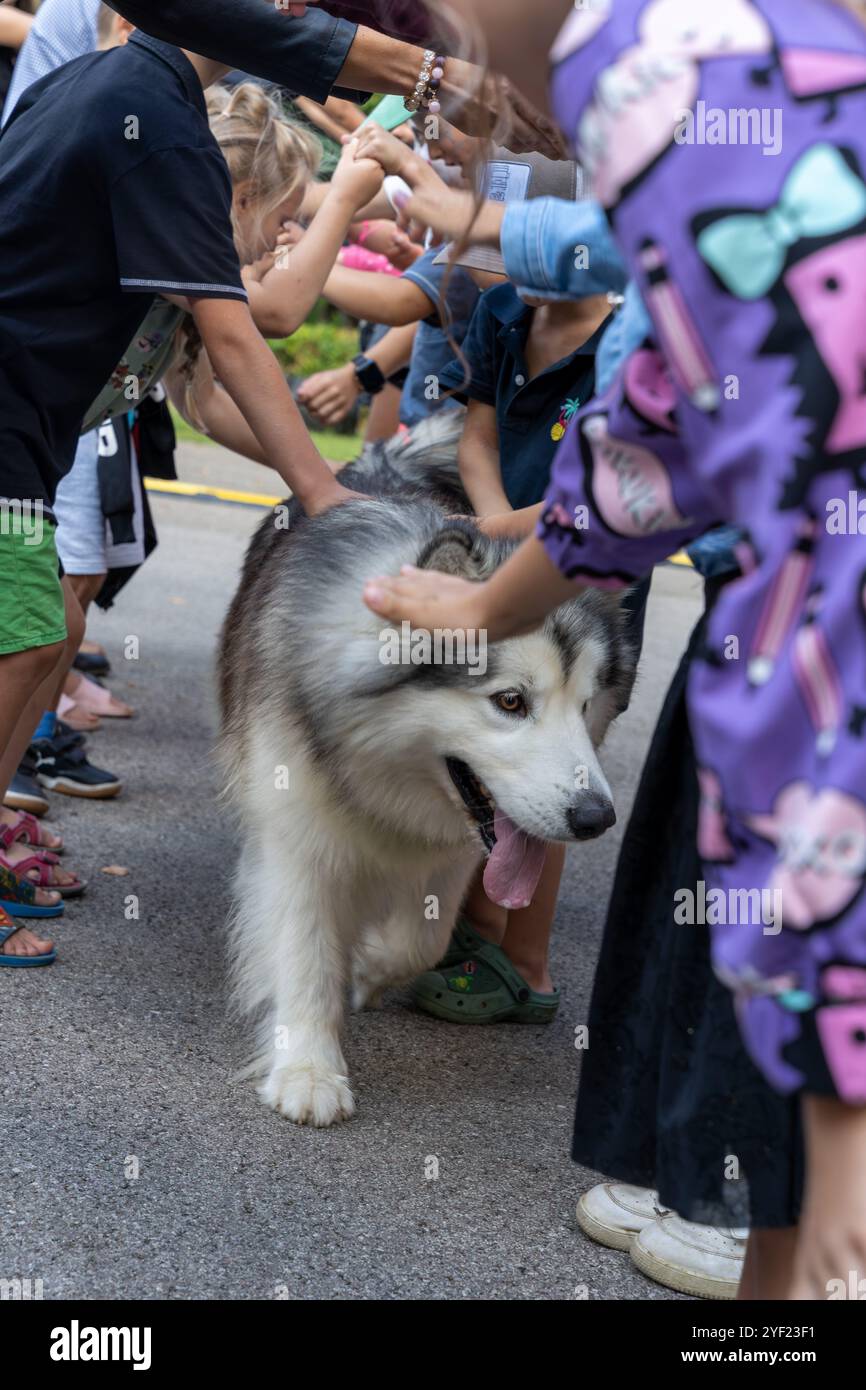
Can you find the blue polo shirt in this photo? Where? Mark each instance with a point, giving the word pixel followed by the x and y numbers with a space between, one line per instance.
pixel 531 415
pixel 112 189
pixel 434 342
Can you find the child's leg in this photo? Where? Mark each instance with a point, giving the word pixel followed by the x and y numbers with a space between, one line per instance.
pixel 33 633
pixel 22 676
pixel 527 936
pixel 489 919
pixel 769 1265
pixel 44 695
pixel 32 642
pixel 90 700
pixel 488 987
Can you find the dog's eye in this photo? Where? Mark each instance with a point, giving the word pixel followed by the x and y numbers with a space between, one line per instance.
pixel 510 702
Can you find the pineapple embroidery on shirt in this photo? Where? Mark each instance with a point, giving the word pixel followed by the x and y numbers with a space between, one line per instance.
pixel 568 412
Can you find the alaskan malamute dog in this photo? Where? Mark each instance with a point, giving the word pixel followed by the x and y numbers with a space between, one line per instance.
pixel 373 773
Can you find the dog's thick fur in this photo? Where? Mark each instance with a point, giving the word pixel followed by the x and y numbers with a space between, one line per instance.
pixel 357 847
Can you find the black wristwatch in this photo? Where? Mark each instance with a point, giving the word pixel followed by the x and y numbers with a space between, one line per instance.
pixel 369 375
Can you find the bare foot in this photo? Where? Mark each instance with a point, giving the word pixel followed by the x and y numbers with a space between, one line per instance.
pixel 26 943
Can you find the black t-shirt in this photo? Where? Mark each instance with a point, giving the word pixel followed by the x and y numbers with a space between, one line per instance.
pixel 532 413
pixel 7 63
pixel 112 189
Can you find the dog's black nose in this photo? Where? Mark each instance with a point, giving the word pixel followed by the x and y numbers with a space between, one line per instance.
pixel 592 816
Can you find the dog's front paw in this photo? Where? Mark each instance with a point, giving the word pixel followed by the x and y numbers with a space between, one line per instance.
pixel 309 1095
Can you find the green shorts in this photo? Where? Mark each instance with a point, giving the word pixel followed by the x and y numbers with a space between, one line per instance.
pixel 32 610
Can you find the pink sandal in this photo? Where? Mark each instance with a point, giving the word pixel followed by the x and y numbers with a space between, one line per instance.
pixel 27 830
pixel 79 719
pixel 94 698
pixel 38 870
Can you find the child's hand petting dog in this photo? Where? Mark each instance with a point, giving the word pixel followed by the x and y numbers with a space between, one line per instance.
pixel 427 599
pixel 513 601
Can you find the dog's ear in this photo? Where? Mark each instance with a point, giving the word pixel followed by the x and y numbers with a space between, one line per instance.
pixel 461 549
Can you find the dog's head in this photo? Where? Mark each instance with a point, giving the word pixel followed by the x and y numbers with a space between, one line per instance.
pixel 510 731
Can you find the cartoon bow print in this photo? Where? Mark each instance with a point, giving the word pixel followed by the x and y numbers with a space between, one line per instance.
pixel 748 250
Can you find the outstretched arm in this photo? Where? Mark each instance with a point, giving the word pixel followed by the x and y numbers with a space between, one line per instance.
pixel 379 298
pixel 281 301
pixel 251 375
pixel 315 54
pixel 330 395
pixel 515 600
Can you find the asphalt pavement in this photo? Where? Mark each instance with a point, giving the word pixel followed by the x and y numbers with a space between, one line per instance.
pixel 137 1167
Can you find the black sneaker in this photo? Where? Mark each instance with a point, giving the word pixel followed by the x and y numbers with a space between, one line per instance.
pixel 92 664
pixel 62 766
pixel 24 793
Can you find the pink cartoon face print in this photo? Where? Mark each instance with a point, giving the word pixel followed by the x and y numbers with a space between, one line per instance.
pixel 630 486
pixel 821 842
pixel 714 846
pixel 649 389
pixel 829 290
pixel 641 99
pixel 844 982
pixel 842 1031
pixel 816 72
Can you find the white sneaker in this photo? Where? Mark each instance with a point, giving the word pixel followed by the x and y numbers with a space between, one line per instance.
pixel 612 1213
pixel 705 1261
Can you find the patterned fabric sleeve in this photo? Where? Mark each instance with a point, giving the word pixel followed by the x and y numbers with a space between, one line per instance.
pixel 727 145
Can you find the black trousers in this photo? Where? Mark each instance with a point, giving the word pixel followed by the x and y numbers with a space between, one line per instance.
pixel 669 1098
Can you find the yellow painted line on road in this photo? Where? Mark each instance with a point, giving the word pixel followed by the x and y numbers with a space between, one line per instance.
pixel 217 494
pixel 260 499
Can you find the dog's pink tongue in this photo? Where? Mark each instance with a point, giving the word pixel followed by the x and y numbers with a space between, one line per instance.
pixel 512 872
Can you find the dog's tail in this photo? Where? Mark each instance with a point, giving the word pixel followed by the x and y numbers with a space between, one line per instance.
pixel 425 457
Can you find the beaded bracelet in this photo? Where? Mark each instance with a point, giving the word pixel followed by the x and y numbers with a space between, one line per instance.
pixel 426 93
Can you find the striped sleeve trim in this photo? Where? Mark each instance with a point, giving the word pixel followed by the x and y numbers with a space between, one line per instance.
pixel 185 285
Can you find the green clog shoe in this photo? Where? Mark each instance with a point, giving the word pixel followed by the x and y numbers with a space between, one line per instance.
pixel 475 982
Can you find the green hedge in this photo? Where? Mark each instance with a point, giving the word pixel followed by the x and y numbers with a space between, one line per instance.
pixel 316 347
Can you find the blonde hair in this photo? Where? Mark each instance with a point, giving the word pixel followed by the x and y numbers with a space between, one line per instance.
pixel 270 154
pixel 260 146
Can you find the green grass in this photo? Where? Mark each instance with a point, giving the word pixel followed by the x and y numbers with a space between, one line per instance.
pixel 340 447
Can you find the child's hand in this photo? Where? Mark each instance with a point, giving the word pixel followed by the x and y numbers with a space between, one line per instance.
pixel 427 599
pixel 401 250
pixel 330 395
pixel 257 270
pixel 453 214
pixel 355 178
pixel 394 156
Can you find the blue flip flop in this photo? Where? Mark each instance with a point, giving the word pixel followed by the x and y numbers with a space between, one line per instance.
pixel 18 897
pixel 21 962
